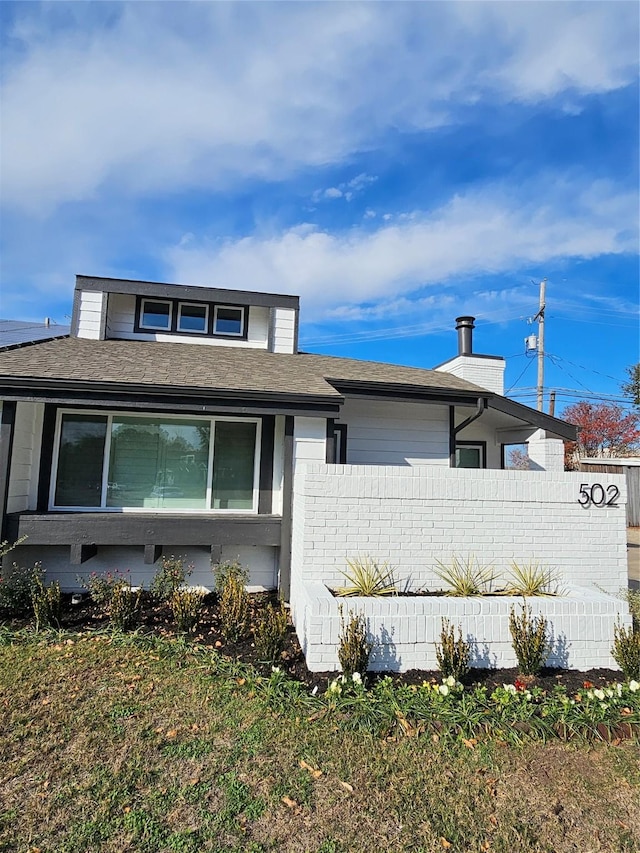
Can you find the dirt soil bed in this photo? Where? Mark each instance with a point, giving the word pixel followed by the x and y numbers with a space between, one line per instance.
pixel 157 619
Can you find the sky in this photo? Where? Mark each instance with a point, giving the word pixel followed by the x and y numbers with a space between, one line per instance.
pixel 394 164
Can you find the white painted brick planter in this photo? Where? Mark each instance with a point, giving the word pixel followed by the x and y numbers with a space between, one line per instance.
pixel 413 516
pixel 405 630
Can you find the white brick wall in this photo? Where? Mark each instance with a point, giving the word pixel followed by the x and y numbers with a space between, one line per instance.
pixel 486 372
pixel 414 516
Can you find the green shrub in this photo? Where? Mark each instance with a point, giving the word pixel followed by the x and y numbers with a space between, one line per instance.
pixel 16 590
pixel 103 587
pixel 453 655
pixel 270 632
pixel 170 576
pixel 124 605
pixel 532 579
pixel 529 639
pixel 228 569
pixel 366 577
pixel 626 651
pixel 46 603
pixel 354 647
pixel 186 606
pixel 234 609
pixel 465 576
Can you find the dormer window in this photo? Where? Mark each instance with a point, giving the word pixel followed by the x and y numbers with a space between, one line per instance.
pixel 155 315
pixel 178 317
pixel 228 320
pixel 193 318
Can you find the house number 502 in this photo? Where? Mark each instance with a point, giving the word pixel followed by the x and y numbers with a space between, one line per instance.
pixel 598 495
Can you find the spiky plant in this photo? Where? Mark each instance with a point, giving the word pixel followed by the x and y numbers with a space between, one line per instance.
pixel 532 579
pixel 465 576
pixel 366 577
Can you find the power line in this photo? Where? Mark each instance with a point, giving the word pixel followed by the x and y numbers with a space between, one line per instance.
pixel 526 367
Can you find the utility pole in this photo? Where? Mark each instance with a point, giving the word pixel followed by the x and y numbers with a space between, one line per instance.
pixel 540 318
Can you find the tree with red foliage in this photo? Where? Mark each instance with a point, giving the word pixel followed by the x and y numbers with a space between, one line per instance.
pixel 604 430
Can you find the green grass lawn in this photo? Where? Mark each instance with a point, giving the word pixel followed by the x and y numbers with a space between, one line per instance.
pixel 119 745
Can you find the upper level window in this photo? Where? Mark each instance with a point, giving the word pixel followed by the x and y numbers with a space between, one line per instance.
pixel 193 318
pixel 228 320
pixel 155 315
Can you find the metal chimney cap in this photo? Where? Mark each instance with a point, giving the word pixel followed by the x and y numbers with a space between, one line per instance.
pixel 465 327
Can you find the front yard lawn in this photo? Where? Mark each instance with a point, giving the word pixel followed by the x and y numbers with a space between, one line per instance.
pixel 121 743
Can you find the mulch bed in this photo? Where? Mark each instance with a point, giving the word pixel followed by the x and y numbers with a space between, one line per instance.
pixel 157 619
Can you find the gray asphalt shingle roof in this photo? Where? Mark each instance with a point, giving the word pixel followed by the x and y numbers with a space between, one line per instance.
pixel 211 368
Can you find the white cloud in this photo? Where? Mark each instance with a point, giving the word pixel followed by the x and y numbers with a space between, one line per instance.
pixel 149 98
pixel 347 189
pixel 485 231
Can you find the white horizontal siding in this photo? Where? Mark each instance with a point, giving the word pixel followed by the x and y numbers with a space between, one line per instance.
pixel 90 314
pixel 309 440
pixel 121 324
pixel 380 433
pixel 121 314
pixel 284 330
pixel 260 561
pixel 25 457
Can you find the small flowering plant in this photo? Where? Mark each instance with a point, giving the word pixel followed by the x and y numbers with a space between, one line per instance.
pixel 103 587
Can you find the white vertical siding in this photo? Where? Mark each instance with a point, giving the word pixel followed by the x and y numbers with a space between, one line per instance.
pixel 284 330
pixel 278 466
pixel 381 433
pixel 25 457
pixel 90 314
pixel 309 440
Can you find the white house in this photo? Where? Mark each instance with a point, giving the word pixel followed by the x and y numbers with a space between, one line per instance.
pixel 185 420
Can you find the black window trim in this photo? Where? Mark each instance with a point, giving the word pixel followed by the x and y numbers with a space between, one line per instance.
pixel 243 321
pixel 183 303
pixel 175 304
pixel 481 444
pixel 140 313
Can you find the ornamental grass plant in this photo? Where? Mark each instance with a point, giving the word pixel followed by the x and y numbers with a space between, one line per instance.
pixel 367 577
pixel 465 576
pixel 530 579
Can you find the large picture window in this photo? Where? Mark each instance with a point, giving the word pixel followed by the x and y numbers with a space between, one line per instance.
pixel 125 462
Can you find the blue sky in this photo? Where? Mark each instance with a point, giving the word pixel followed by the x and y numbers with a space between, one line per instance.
pixel 396 165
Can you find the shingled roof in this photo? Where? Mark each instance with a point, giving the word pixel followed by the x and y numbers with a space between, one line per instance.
pixel 193 367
